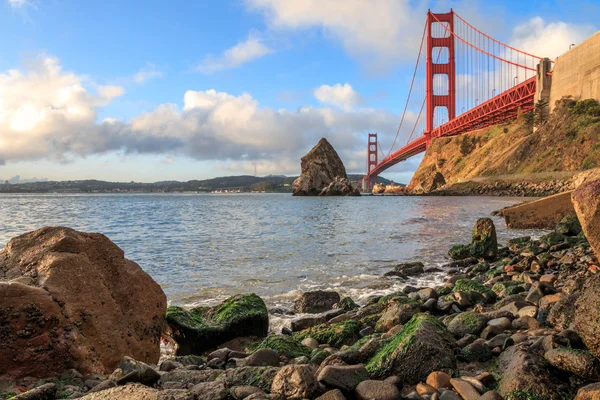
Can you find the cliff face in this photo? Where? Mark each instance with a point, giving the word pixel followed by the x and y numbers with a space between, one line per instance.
pixel 568 142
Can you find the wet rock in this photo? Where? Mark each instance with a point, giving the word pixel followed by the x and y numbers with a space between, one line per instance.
pixel 286 345
pixel 302 323
pixel 477 351
pixel 241 392
pixel 500 323
pixel 261 377
pixel 464 389
pixel 467 323
pixel 399 311
pixel 562 312
pixel 335 394
pixel 340 187
pixel 491 395
pixel 523 370
pixel 381 390
pixel 43 392
pixel 439 379
pixel 347 304
pixel 586 200
pixel 579 362
pixel 189 376
pixel 316 301
pixel 334 335
pixel 344 377
pixel 216 390
pixel 423 337
pixel 202 328
pixel 587 316
pixel 133 391
pixel 484 243
pixel 136 371
pixel 48 327
pixel 425 390
pixel 296 382
pixel 320 168
pixel 407 269
pixel 589 392
pixel 261 358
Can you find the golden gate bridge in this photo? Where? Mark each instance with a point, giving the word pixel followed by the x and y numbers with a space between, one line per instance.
pixel 464 80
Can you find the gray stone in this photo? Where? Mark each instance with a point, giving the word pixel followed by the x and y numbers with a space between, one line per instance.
pixel 380 390
pixel 344 377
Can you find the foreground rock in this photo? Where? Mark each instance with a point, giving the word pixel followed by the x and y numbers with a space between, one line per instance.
pixel 203 328
pixel 543 213
pixel 484 243
pixel 422 338
pixel 323 173
pixel 586 200
pixel 72 300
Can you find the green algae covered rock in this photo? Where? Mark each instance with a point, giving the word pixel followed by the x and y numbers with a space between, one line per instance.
pixel 459 252
pixel 347 304
pixel 335 335
pixel 203 328
pixel 467 323
pixel 285 345
pixel 422 346
pixel 469 285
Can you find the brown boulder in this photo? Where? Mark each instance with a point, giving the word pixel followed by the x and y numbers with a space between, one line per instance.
pixel 586 200
pixel 72 300
pixel 322 169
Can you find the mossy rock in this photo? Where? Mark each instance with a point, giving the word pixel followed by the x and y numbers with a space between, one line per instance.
pixel 467 323
pixel 469 285
pixel 261 377
pixel 318 356
pixel 335 335
pixel 476 352
pixel 422 346
pixel 569 226
pixel 517 244
pixel 285 345
pixel 347 304
pixel 459 252
pixel 203 328
pixel 553 238
pixel 507 288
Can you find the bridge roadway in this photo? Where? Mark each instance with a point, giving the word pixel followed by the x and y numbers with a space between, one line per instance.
pixel 503 107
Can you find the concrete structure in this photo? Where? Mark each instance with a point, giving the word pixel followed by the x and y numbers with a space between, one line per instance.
pixel 577 72
pixel 544 81
pixel 544 213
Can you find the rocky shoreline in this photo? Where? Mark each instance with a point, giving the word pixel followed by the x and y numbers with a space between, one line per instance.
pixel 515 320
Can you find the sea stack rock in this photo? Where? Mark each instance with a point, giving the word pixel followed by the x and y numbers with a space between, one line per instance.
pixel 323 174
pixel 72 300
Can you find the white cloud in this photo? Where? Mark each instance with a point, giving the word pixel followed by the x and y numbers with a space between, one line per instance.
pixel 548 39
pixel 339 95
pixel 148 72
pixel 243 52
pixel 18 3
pixel 379 33
pixel 47 113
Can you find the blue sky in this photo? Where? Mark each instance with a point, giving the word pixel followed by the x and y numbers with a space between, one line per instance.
pixel 155 90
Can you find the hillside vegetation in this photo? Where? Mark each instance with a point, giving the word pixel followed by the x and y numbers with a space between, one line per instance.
pixel 564 143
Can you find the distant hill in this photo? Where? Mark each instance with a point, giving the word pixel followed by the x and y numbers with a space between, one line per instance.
pixel 241 183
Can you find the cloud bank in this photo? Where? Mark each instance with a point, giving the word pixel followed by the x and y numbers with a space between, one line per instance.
pixel 48 113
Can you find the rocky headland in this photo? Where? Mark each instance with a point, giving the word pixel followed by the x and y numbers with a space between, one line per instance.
pixel 516 320
pixel 536 155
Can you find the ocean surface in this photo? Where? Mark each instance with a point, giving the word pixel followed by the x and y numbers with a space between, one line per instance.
pixel 203 248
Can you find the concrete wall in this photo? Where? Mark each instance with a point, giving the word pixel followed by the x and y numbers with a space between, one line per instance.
pixel 577 72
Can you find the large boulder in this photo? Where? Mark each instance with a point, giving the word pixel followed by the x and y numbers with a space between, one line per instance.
pixel 422 346
pixel 587 317
pixel 586 200
pixel 72 300
pixel 525 371
pixel 322 168
pixel 203 328
pixel 316 301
